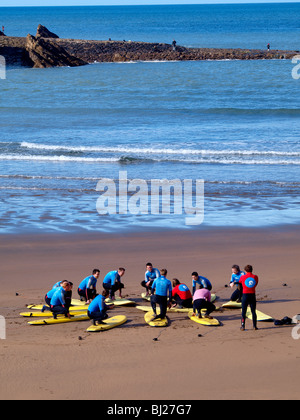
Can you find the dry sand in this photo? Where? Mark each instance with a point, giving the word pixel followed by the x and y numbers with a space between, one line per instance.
pixel 125 363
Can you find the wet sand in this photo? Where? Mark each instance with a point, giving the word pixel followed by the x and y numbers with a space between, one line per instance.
pixel 188 361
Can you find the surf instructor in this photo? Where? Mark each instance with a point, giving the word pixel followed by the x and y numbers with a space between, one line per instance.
pixel 249 282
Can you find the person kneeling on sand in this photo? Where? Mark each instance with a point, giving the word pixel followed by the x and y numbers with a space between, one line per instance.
pixel 150 275
pixel 181 295
pixel 161 287
pixel 112 282
pixel 202 300
pixel 58 303
pixel 87 288
pixel 235 282
pixel 97 308
pixel 51 292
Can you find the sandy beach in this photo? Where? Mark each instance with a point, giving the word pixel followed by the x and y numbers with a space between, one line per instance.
pixel 125 363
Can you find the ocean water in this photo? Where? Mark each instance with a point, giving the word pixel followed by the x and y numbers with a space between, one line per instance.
pixel 233 124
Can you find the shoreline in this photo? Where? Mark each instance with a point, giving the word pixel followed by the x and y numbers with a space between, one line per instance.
pixel 153 230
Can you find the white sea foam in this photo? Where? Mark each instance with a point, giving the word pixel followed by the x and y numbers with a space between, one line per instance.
pixel 163 151
pixel 60 158
pixel 208 160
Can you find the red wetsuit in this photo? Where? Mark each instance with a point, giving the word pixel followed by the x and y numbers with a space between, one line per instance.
pixel 249 282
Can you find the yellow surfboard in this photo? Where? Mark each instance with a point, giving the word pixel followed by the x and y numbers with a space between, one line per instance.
pixel 157 322
pixel 172 310
pixel 49 313
pixel 60 320
pixel 78 305
pixel 204 321
pixel 146 297
pixel 232 305
pixel 117 302
pixel 108 323
pixel 260 316
pixel 72 308
pixel 120 302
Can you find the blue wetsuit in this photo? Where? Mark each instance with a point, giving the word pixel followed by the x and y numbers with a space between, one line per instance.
pixel 87 288
pixel 203 282
pixel 58 297
pixel 49 295
pixel 58 302
pixel 150 276
pixel 238 293
pixel 112 282
pixel 88 283
pixel 162 287
pixel 111 278
pixel 97 308
pixel 235 278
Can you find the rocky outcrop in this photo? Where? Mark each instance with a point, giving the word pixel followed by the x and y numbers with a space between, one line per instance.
pixel 2 33
pixel 47 50
pixel 43 53
pixel 43 32
pixel 119 51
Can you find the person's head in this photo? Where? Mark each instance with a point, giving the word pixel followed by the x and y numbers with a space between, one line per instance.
pixel 66 285
pixel 195 275
pixel 175 282
pixel 121 271
pixel 163 272
pixel 249 269
pixel 149 266
pixel 235 269
pixel 96 272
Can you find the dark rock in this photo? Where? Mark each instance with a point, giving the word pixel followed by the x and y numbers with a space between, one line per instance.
pixel 43 32
pixel 43 53
pixel 2 33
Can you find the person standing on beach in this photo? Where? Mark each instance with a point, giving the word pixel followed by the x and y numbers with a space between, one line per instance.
pixel 249 282
pixel 235 282
pixel 150 275
pixel 203 282
pixel 87 288
pixel 162 287
pixel 112 282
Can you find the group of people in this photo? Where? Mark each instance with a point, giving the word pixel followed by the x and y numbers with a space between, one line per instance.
pixel 161 290
pixel 60 296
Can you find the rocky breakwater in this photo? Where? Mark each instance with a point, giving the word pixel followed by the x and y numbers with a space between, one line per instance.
pixel 38 51
pixel 121 51
pixel 46 49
